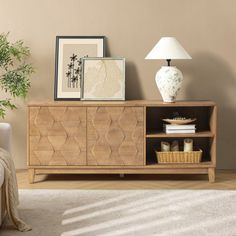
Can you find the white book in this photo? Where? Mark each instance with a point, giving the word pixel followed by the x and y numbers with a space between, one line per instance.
pixel 177 127
pixel 181 131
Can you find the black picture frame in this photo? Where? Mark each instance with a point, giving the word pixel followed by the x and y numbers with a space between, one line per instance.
pixel 58 97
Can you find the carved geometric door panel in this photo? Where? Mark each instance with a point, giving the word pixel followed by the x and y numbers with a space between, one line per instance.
pixel 57 136
pixel 115 135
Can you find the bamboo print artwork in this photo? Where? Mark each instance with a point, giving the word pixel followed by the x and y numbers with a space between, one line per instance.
pixel 74 72
pixel 68 72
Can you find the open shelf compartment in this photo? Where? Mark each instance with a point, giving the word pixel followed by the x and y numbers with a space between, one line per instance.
pixel 199 143
pixel 203 115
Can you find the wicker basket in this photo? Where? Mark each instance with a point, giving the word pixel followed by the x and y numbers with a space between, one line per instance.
pixel 179 157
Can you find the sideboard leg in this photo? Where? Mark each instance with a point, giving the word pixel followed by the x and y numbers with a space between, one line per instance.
pixel 122 175
pixel 211 175
pixel 31 174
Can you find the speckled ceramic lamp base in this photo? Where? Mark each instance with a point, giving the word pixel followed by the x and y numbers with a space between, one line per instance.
pixel 169 80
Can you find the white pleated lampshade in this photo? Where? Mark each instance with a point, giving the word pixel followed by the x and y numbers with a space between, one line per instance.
pixel 168 48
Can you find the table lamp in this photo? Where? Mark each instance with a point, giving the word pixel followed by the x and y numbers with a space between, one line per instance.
pixel 168 78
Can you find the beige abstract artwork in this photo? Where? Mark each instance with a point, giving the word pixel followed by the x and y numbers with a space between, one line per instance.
pixel 103 79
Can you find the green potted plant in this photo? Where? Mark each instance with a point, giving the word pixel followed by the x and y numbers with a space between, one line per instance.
pixel 15 72
pixel 14 79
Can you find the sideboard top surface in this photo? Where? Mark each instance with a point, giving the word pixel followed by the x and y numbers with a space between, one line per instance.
pixel 123 103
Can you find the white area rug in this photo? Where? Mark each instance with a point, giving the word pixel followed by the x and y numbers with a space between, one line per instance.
pixel 127 212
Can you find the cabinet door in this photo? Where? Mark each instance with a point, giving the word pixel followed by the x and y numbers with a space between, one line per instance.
pixel 115 135
pixel 57 136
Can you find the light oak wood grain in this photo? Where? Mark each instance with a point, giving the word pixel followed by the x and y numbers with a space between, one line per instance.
pixel 200 134
pixel 115 136
pixel 57 136
pixel 122 170
pixel 205 164
pixel 31 175
pixel 211 175
pixel 122 103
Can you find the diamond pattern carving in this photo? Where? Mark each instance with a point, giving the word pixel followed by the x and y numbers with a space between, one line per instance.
pixel 115 135
pixel 57 135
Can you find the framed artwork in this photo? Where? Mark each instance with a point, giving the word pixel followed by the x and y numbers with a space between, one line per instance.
pixel 69 51
pixel 103 78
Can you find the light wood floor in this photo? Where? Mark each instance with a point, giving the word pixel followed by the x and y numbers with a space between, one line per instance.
pixel 224 180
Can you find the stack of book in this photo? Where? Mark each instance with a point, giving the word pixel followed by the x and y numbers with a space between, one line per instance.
pixel 180 129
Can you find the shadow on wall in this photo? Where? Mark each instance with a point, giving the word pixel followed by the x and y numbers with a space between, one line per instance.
pixel 213 79
pixel 133 88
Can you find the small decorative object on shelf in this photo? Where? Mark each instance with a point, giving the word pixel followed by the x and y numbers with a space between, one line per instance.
pixel 165 147
pixel 188 145
pixel 179 120
pixel 174 146
pixel 179 125
pixel 168 78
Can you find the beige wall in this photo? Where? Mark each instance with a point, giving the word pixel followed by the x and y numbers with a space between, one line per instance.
pixel 206 28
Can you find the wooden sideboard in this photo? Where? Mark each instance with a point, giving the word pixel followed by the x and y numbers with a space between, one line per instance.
pixel 114 137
